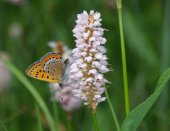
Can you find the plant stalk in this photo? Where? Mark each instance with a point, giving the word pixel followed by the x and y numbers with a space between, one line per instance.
pixel 95 121
pixel 55 111
pixel 40 126
pixel 112 111
pixel 125 79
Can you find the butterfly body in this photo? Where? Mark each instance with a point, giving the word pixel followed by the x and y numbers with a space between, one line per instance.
pixel 49 68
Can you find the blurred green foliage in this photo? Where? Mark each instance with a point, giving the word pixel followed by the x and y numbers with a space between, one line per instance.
pixel 147 42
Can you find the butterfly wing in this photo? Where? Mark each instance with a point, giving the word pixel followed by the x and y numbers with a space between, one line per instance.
pixel 49 56
pixel 36 70
pixel 66 69
pixel 54 67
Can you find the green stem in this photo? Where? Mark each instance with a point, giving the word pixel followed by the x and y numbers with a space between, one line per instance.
pixel 125 80
pixel 40 126
pixel 112 111
pixel 12 117
pixel 69 126
pixel 165 63
pixel 69 121
pixel 95 121
pixel 55 111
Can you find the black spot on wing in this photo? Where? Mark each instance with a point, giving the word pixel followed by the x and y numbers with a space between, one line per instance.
pixel 36 75
pixel 42 75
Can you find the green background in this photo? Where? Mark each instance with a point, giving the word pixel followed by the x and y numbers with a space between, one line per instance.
pixel 147 39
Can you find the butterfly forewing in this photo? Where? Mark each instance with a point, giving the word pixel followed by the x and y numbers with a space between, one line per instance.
pixel 50 56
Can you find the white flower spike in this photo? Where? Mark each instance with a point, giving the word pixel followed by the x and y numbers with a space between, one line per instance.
pixel 89 61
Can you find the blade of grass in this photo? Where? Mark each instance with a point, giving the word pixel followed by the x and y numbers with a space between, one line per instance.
pixel 112 111
pixel 34 93
pixel 55 112
pixel 38 112
pixel 125 80
pixel 135 117
pixel 166 39
pixel 165 62
pixel 12 117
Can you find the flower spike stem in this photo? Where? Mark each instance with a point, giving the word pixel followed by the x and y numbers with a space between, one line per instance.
pixel 69 122
pixel 112 111
pixel 95 121
pixel 125 80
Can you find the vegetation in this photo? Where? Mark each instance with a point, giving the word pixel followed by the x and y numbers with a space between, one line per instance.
pixel 27 26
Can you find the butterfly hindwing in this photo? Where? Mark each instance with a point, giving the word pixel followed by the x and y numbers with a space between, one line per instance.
pixel 65 70
pixel 54 67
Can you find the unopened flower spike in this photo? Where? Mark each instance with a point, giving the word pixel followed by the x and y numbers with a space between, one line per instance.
pixel 89 59
pixel 5 75
pixel 65 97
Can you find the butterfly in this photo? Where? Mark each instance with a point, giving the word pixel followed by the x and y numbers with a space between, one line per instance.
pixel 49 68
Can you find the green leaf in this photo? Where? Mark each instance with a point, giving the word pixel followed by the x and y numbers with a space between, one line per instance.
pixel 34 93
pixel 135 117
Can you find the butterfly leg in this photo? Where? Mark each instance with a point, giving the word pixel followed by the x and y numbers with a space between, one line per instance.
pixel 66 62
pixel 61 85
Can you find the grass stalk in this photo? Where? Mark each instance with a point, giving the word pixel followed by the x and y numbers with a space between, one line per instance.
pixel 55 112
pixel 38 112
pixel 112 111
pixel 165 63
pixel 125 79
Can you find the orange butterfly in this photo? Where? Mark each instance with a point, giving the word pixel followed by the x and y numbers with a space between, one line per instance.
pixel 49 68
